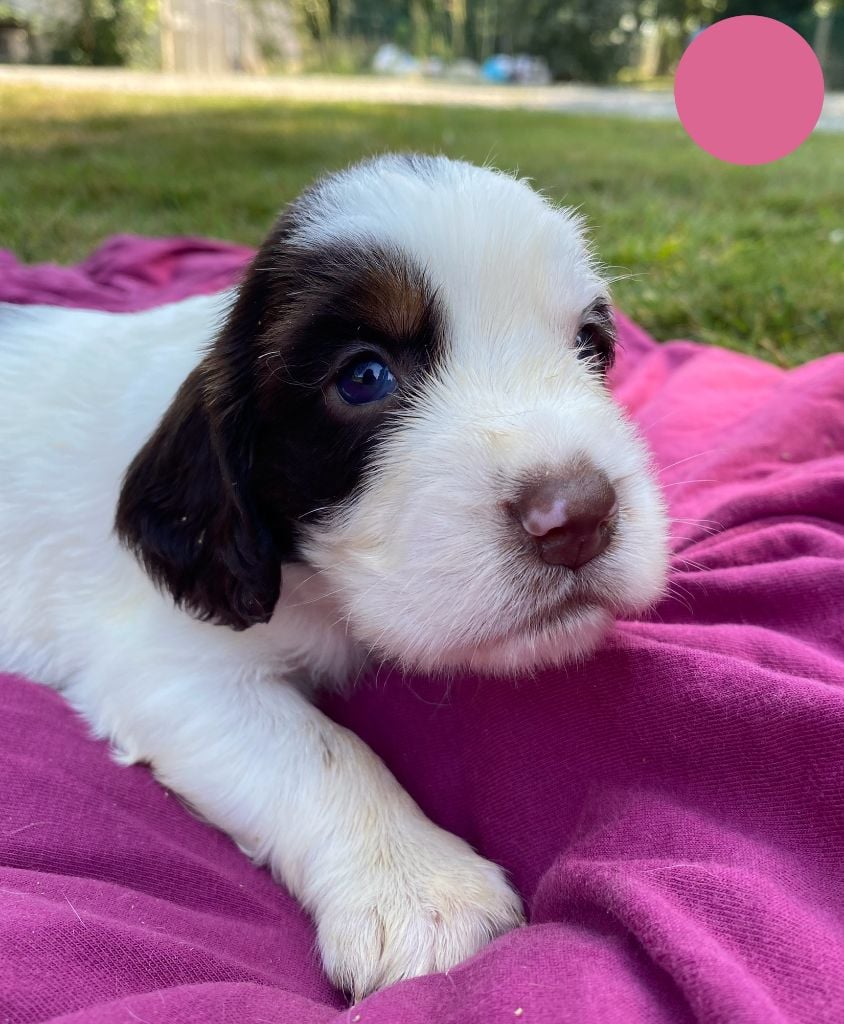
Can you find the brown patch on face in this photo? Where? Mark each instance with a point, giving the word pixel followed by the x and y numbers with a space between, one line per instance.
pixel 340 293
pixel 393 297
pixel 251 446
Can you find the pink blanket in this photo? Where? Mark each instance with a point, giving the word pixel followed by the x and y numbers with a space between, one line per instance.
pixel 673 812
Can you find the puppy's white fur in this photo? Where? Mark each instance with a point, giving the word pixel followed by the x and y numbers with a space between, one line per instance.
pixel 416 567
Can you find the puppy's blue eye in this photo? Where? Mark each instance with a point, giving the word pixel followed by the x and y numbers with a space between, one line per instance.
pixel 364 381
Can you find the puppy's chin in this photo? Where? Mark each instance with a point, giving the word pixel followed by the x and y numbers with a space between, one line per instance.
pixel 569 638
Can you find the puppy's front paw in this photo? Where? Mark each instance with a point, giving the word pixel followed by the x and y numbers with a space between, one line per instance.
pixel 413 908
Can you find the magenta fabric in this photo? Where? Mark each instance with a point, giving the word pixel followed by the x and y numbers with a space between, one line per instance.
pixel 127 273
pixel 672 812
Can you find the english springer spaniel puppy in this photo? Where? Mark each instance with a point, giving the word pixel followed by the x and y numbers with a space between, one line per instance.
pixel 397 444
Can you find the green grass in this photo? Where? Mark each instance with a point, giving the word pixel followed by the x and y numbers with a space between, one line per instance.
pixel 750 258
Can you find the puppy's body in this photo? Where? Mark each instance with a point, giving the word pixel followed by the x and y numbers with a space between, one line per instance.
pixel 403 526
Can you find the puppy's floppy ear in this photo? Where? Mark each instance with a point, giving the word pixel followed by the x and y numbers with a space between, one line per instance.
pixel 186 508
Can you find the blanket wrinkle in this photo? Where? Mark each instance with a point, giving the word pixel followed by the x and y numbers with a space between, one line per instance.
pixel 672 810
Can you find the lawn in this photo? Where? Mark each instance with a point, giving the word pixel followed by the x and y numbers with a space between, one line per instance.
pixel 750 258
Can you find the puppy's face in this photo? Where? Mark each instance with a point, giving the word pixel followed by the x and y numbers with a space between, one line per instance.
pixel 409 396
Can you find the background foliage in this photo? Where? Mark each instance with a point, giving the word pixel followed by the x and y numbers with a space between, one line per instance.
pixel 106 32
pixel 584 40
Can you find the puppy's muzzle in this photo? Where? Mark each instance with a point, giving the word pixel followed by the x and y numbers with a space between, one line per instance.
pixel 568 518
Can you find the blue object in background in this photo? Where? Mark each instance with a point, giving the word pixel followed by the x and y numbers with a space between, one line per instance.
pixel 498 68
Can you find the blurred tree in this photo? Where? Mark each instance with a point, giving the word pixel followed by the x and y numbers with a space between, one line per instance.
pixel 804 16
pixel 106 32
pixel 579 39
pixel 792 12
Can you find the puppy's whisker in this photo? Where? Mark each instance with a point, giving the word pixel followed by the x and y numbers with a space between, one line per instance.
pixel 303 583
pixel 688 458
pixel 698 522
pixel 705 531
pixel 684 483
pixel 646 427
pixel 674 594
pixel 690 563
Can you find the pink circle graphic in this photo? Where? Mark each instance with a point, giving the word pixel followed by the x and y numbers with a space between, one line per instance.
pixel 749 90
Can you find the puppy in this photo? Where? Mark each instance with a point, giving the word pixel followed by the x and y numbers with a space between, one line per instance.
pixel 399 444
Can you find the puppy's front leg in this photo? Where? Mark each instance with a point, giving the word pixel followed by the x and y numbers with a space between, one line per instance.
pixel 393 895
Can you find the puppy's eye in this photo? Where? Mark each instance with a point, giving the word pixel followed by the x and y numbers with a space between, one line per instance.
pixel 594 344
pixel 365 380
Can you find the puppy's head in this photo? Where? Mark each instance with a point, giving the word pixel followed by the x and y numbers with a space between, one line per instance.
pixel 409 396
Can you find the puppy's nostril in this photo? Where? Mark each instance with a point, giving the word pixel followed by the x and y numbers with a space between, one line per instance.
pixel 570 518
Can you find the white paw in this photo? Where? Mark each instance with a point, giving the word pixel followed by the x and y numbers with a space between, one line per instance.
pixel 413 907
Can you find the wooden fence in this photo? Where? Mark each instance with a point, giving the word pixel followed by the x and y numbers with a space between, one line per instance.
pixel 214 36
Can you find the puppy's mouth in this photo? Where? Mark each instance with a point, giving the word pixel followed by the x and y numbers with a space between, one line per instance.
pixel 559 615
pixel 550 634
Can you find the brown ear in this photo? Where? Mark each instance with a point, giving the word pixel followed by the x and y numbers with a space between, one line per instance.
pixel 186 508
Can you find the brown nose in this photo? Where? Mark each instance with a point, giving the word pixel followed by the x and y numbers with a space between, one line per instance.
pixel 569 517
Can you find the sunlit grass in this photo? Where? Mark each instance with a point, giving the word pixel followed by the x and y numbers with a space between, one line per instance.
pixel 750 258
